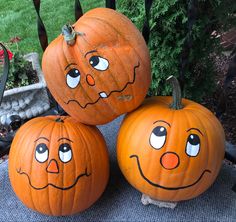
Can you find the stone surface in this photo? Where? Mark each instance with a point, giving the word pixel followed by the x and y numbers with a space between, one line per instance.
pixel 23 101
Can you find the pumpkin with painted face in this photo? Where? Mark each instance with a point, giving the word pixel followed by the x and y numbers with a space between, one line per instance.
pixel 170 150
pixel 58 166
pixel 99 68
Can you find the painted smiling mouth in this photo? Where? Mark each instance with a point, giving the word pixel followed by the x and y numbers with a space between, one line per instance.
pixel 104 95
pixel 166 188
pixel 50 184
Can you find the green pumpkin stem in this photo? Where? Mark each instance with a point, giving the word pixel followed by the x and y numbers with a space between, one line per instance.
pixel 70 34
pixel 176 93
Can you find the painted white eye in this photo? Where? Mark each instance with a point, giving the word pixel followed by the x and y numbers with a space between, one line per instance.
pixel 99 63
pixel 41 153
pixel 193 145
pixel 158 137
pixel 65 153
pixel 73 78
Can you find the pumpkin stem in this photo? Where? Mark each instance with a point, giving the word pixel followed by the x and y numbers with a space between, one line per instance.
pixel 59 120
pixel 70 34
pixel 176 93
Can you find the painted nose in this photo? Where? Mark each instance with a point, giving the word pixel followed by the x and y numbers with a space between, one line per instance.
pixel 53 166
pixel 90 80
pixel 170 160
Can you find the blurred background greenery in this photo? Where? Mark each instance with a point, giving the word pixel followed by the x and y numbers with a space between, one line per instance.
pixel 18 18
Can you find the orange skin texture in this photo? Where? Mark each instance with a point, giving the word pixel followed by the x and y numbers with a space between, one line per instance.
pixel 115 38
pixel 134 139
pixel 89 156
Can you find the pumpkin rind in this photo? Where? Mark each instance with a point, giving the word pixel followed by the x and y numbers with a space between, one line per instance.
pixel 66 182
pixel 119 88
pixel 142 165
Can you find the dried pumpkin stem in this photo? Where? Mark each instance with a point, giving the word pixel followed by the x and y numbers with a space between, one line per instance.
pixel 59 120
pixel 176 93
pixel 70 34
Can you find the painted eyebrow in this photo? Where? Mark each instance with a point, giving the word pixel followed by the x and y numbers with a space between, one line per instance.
pixel 70 65
pixel 195 129
pixel 163 122
pixel 42 138
pixel 89 52
pixel 63 138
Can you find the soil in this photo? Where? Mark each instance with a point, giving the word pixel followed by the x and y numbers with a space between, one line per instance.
pixel 223 101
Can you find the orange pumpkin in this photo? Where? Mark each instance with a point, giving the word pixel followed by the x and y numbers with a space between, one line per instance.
pixel 99 68
pixel 58 166
pixel 170 153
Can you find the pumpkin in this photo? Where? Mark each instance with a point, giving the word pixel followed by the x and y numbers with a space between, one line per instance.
pixel 99 68
pixel 58 166
pixel 170 150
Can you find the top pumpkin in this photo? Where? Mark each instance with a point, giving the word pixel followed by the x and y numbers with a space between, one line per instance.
pixel 99 68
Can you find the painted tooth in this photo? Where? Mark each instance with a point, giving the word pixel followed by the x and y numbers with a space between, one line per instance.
pixel 103 94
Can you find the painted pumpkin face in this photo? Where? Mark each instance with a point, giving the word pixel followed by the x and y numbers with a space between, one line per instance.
pixel 168 154
pixel 58 167
pixel 104 73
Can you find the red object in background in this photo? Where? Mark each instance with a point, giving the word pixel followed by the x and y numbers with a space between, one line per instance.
pixel 10 54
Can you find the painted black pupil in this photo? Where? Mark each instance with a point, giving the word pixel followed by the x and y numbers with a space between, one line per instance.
pixel 74 73
pixel 41 148
pixel 194 139
pixel 65 147
pixel 160 131
pixel 94 60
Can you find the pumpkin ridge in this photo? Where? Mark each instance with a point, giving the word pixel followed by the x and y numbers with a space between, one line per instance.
pixel 73 130
pixel 206 139
pixel 14 150
pixel 168 146
pixel 120 62
pixel 72 100
pixel 111 74
pixel 215 122
pixel 188 158
pixel 74 165
pixel 65 55
pixel 84 64
pixel 88 152
pixel 31 161
pixel 122 36
pixel 48 191
pixel 77 130
pixel 53 185
pixel 167 188
pixel 62 129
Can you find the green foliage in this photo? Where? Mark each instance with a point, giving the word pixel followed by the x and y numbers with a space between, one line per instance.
pixel 169 30
pixel 21 72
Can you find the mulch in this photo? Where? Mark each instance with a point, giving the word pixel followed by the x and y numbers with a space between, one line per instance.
pixel 227 105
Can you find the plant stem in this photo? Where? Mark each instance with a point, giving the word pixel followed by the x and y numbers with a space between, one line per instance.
pixel 59 120
pixel 176 93
pixel 70 34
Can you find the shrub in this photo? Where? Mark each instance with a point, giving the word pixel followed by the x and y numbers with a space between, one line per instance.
pixel 171 52
pixel 21 72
